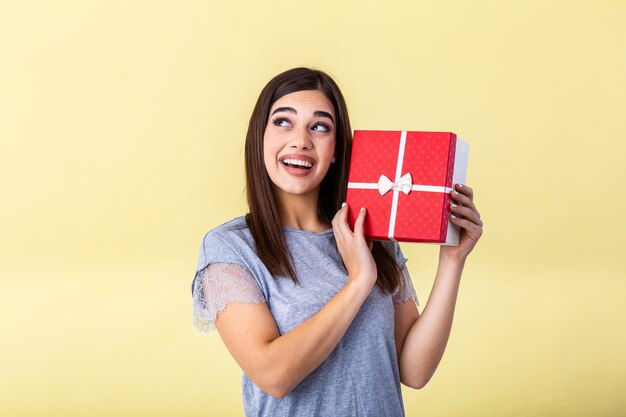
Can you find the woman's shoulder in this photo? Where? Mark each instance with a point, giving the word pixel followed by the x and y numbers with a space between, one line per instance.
pixel 227 230
pixel 229 242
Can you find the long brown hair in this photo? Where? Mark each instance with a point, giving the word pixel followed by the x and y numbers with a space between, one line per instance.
pixel 263 218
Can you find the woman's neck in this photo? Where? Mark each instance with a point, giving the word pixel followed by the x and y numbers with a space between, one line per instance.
pixel 300 211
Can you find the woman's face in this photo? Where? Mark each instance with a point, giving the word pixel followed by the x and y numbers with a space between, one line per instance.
pixel 299 141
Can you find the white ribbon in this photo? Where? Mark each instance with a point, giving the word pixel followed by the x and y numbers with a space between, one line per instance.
pixel 396 192
pixel 404 185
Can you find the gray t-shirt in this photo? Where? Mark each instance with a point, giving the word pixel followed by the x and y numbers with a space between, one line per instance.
pixel 360 377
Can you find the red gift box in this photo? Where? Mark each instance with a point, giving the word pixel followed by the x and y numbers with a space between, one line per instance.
pixel 404 179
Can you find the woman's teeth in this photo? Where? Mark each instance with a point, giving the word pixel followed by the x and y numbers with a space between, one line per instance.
pixel 297 164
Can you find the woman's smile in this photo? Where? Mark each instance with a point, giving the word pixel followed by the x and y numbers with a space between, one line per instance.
pixel 298 165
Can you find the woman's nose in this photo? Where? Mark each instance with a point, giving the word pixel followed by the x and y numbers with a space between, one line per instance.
pixel 301 139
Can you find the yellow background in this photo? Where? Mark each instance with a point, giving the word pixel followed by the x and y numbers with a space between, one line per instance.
pixel 122 128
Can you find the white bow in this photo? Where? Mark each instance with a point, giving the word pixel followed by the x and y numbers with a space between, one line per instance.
pixel 404 185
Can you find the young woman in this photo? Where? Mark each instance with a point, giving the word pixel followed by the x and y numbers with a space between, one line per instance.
pixel 322 321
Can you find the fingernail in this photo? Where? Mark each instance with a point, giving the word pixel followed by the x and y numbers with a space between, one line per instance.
pixel 453 205
pixel 453 216
pixel 460 185
pixel 362 208
pixel 343 204
pixel 456 192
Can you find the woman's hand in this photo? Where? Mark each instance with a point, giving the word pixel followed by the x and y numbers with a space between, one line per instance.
pixel 467 217
pixel 355 250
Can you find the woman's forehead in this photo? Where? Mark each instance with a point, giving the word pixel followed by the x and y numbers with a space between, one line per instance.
pixel 311 100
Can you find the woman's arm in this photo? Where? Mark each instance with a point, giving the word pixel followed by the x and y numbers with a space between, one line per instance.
pixel 277 364
pixel 426 338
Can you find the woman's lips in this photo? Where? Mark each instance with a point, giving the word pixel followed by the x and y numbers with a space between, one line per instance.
pixel 300 157
pixel 294 170
pixel 298 172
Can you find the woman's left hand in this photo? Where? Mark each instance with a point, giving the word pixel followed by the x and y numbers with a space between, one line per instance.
pixel 467 217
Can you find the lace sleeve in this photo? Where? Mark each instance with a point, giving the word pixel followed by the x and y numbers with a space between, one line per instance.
pixel 217 285
pixel 405 291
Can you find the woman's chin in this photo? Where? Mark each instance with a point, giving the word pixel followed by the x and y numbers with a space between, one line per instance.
pixel 295 190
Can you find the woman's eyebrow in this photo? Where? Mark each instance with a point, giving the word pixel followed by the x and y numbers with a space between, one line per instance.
pixel 318 113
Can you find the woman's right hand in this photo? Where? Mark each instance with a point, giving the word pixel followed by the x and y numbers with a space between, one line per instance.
pixel 355 250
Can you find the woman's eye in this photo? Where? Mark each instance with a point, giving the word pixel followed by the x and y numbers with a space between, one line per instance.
pixel 280 121
pixel 324 126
